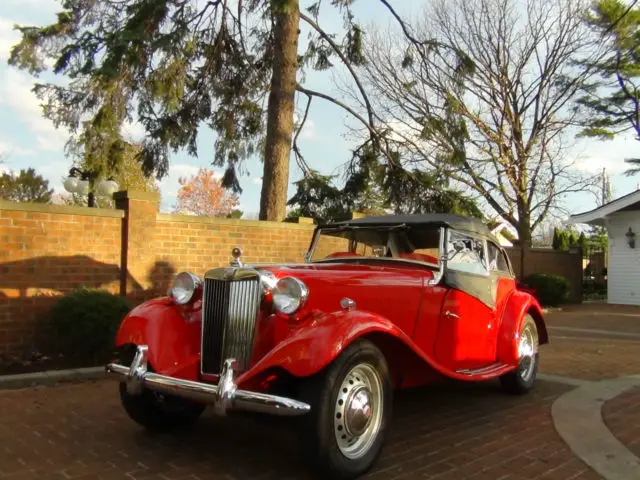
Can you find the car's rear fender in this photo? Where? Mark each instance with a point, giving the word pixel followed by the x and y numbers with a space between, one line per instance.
pixel 171 332
pixel 518 305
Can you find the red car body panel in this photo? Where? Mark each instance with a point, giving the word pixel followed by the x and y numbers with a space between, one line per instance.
pixel 395 307
pixel 517 306
pixel 172 333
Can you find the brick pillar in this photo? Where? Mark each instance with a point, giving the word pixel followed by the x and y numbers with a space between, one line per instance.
pixel 138 233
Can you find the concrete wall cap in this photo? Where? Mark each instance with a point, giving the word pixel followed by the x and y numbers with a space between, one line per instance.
pixel 60 209
pixel 137 195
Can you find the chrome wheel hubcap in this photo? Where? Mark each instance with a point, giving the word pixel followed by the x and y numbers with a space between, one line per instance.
pixel 357 414
pixel 527 350
pixel 358 411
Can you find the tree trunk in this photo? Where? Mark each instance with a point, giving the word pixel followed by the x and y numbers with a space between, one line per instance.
pixel 524 237
pixel 275 179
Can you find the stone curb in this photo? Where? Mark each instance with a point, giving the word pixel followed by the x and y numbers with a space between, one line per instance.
pixel 577 417
pixel 50 377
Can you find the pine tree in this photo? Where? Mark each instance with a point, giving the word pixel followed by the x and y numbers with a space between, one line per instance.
pixel 556 239
pixel 176 66
pixel 611 104
pixel 582 242
pixel 565 240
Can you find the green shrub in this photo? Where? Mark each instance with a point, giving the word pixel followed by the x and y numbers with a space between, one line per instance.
pixel 551 290
pixel 85 323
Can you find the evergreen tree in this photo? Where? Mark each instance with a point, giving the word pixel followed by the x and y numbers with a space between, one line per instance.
pixel 178 65
pixel 565 240
pixel 556 239
pixel 582 243
pixel 611 104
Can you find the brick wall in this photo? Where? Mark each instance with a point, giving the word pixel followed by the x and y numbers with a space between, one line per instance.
pixel 48 250
pixel 197 244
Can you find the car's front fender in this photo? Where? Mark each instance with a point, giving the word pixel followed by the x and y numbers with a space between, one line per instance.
pixel 518 305
pixel 317 342
pixel 171 332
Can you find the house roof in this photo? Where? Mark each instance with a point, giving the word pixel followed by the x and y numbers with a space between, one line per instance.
pixel 597 216
pixel 504 239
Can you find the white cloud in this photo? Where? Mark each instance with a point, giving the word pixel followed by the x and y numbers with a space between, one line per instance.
pixel 309 131
pixel 10 149
pixel 40 4
pixel 55 172
pixel 256 180
pixel 16 94
pixel 595 164
pixel 8 38
pixel 401 130
pixel 51 143
pixel 593 155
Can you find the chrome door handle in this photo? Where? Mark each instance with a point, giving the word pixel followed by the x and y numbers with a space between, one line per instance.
pixel 449 314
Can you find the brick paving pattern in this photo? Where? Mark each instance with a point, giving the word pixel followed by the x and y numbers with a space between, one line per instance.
pixel 592 356
pixel 449 431
pixel 622 417
pixel 597 316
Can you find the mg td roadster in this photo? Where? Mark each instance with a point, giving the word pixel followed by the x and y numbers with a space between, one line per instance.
pixel 379 303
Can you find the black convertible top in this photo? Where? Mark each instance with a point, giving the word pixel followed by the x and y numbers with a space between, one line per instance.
pixel 456 222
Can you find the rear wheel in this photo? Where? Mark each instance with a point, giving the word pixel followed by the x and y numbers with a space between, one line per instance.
pixel 157 411
pixel 522 379
pixel 351 402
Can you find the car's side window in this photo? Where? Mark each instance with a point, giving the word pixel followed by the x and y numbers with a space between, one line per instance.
pixel 466 254
pixel 497 260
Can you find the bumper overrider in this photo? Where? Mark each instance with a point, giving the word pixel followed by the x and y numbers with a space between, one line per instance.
pixel 223 396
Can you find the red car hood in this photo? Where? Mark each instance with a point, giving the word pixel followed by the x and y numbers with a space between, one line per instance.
pixel 392 290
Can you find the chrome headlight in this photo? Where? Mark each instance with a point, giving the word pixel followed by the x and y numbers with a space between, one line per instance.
pixel 184 286
pixel 289 295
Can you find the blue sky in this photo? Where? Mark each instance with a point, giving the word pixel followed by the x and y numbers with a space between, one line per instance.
pixel 32 141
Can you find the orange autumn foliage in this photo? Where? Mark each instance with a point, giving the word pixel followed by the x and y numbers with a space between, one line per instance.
pixel 204 195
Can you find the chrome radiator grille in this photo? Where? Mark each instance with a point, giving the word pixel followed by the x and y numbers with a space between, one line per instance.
pixel 229 314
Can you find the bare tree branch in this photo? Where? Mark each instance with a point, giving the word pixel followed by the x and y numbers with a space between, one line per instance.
pixel 487 101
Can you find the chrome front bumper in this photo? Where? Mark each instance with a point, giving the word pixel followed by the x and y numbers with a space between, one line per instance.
pixel 224 396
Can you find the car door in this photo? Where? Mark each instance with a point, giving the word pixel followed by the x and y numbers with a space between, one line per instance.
pixel 467 323
pixel 503 282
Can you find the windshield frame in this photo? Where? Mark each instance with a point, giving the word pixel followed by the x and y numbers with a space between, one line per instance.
pixel 320 230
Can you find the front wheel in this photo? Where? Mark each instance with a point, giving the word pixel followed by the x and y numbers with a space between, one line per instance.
pixel 523 378
pixel 156 411
pixel 351 403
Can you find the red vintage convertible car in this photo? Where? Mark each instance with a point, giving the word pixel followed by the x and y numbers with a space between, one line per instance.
pixel 380 303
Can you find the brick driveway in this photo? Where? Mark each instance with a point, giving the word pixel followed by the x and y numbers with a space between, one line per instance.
pixel 450 431
pixel 622 416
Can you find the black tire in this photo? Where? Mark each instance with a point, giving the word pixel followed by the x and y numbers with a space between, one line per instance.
pixel 160 412
pixel 320 427
pixel 515 382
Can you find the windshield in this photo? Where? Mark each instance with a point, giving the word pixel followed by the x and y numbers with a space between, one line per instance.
pixel 419 244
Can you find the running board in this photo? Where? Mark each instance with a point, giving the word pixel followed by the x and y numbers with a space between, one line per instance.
pixel 492 370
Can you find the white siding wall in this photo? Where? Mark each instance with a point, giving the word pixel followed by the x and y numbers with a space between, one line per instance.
pixel 624 262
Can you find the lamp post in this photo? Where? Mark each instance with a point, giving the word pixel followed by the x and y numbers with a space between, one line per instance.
pixel 79 181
